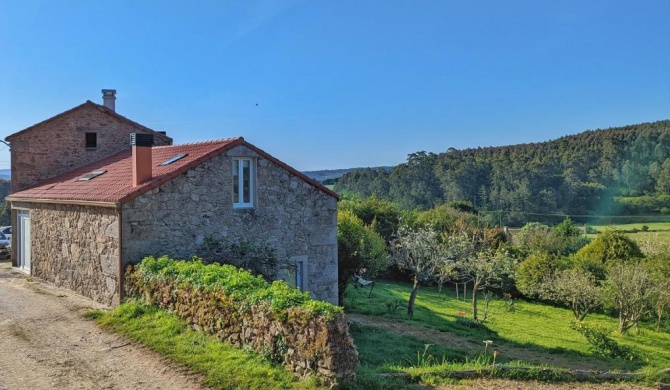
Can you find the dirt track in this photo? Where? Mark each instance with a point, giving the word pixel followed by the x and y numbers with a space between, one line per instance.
pixel 45 343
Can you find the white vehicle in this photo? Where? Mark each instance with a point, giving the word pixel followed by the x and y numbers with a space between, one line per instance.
pixel 7 231
pixel 5 247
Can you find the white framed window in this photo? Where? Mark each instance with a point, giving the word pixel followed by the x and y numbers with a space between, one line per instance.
pixel 244 182
pixel 296 275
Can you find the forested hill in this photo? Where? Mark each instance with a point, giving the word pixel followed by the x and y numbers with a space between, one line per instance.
pixel 617 171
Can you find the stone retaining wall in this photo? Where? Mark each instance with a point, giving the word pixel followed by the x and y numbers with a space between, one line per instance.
pixel 304 343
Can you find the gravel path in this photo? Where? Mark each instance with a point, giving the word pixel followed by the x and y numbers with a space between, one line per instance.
pixel 45 343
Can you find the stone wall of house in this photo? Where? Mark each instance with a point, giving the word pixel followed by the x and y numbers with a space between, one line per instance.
pixel 293 216
pixel 59 145
pixel 76 247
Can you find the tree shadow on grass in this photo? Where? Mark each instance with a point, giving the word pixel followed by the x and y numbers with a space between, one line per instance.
pixel 463 336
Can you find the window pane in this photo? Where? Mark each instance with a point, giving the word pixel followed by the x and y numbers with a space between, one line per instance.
pixel 236 181
pixel 246 181
pixel 298 275
pixel 91 140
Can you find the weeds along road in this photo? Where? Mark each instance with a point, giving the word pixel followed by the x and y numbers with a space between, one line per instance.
pixel 45 343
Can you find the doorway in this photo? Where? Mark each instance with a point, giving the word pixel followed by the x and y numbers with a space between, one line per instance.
pixel 23 240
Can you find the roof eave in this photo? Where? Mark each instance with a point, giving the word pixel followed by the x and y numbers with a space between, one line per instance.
pixel 95 203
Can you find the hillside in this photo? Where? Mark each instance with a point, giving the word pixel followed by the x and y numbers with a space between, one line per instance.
pixel 615 171
pixel 5 174
pixel 333 174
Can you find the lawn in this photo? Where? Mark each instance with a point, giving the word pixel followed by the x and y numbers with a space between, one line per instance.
pixel 532 332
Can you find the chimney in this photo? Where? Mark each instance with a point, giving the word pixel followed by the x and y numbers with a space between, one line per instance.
pixel 142 165
pixel 109 98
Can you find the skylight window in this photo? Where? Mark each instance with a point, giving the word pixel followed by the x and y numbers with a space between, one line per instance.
pixel 91 175
pixel 173 159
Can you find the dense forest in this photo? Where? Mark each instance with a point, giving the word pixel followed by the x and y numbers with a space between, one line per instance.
pixel 622 171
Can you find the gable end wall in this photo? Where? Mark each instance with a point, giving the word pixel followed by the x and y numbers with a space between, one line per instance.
pixel 293 216
pixel 59 145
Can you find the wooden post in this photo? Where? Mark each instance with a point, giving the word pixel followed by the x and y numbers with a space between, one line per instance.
pixel 465 291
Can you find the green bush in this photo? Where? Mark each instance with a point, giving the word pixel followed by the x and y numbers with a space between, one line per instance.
pixel 259 259
pixel 602 344
pixel 532 272
pixel 610 245
pixel 241 286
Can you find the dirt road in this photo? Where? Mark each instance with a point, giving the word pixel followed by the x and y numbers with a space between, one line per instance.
pixel 45 343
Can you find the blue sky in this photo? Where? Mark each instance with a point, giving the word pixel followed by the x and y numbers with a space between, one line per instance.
pixel 338 84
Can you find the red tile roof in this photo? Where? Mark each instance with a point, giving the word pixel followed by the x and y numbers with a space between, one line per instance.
pixel 115 185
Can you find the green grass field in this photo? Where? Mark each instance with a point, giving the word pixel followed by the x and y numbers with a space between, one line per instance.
pixel 654 241
pixel 653 226
pixel 533 332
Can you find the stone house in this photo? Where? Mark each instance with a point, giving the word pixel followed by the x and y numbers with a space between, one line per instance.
pixel 80 227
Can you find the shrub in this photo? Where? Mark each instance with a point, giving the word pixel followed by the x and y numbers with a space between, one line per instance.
pixel 602 344
pixel 532 272
pixel 535 236
pixel 259 259
pixel 240 285
pixel 610 245
pixel 359 250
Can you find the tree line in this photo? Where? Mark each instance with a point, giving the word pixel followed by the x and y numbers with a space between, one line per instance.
pixel 616 171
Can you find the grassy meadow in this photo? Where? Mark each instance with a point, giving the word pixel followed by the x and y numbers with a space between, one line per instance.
pixel 523 331
pixel 655 240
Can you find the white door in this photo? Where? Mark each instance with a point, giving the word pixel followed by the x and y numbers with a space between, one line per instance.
pixel 23 240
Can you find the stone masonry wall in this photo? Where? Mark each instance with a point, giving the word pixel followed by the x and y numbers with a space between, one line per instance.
pixel 76 247
pixel 293 216
pixel 59 145
pixel 305 343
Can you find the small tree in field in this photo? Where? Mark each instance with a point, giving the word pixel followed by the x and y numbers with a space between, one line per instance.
pixel 486 269
pixel 359 250
pixel 631 290
pixel 455 249
pixel 576 288
pixel 418 251
pixel 659 266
